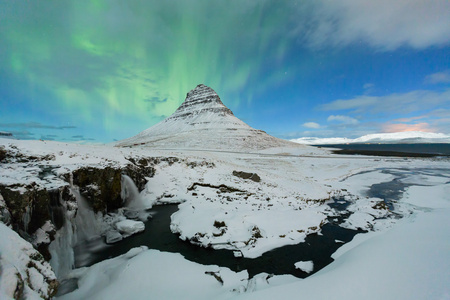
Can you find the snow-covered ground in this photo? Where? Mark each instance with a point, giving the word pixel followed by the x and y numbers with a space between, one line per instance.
pixel 225 206
pixel 23 271
pixel 407 261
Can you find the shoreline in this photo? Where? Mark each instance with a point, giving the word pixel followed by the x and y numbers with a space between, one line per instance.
pixel 385 153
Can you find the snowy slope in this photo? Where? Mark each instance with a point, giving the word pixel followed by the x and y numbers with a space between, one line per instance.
pixel 23 271
pixel 285 205
pixel 407 261
pixel 412 137
pixel 204 122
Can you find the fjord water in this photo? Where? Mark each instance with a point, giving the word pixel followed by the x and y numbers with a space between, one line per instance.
pixel 436 149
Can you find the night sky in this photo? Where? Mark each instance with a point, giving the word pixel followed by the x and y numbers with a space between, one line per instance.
pixel 104 70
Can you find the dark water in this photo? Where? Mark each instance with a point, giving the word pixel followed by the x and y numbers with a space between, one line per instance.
pixel 434 149
pixel 391 191
pixel 157 235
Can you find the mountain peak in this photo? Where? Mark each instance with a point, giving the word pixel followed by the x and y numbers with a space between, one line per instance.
pixel 203 122
pixel 200 100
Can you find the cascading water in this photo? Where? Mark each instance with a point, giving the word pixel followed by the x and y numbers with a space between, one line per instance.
pixel 26 218
pixel 131 196
pixel 86 221
pixel 81 229
pixel 61 249
pixel 80 235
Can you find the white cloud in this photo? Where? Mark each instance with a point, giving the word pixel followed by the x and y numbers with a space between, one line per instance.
pixel 368 86
pixel 358 102
pixel 419 100
pixel 383 24
pixel 439 77
pixel 313 125
pixel 343 119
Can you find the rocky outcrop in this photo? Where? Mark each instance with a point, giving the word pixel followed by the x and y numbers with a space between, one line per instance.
pixel 30 206
pixel 33 209
pixel 101 187
pixel 14 155
pixel 2 154
pixel 244 175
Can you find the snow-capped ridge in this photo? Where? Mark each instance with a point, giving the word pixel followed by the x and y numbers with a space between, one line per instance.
pixel 200 100
pixel 412 137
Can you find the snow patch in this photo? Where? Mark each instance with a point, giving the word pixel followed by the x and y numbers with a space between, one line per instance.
pixel 305 266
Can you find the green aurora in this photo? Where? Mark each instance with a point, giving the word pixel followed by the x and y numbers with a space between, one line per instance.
pixel 103 70
pixel 137 60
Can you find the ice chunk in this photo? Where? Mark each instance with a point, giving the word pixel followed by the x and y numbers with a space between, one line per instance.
pixel 113 236
pixel 237 253
pixel 130 227
pixel 305 266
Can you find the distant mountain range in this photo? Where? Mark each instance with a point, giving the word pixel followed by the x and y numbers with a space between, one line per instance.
pixel 203 122
pixel 6 134
pixel 408 137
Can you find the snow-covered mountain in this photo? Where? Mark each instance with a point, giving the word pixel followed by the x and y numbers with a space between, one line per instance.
pixel 204 122
pixel 408 137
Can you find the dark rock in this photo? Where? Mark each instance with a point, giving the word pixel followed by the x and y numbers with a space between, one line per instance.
pixel 219 224
pixel 53 286
pixel 256 232
pixel 222 188
pixel 43 249
pixel 18 292
pixel 15 156
pixel 216 275
pixel 245 175
pixel 56 209
pixel 2 154
pixel 30 209
pixel 102 186
pixel 139 172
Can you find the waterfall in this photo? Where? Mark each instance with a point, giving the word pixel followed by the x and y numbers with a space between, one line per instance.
pixel 130 195
pixel 81 229
pixel 61 249
pixel 85 220
pixel 80 234
pixel 26 218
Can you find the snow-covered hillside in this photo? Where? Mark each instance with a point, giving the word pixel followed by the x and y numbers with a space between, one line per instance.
pixel 204 122
pixel 253 202
pixel 408 137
